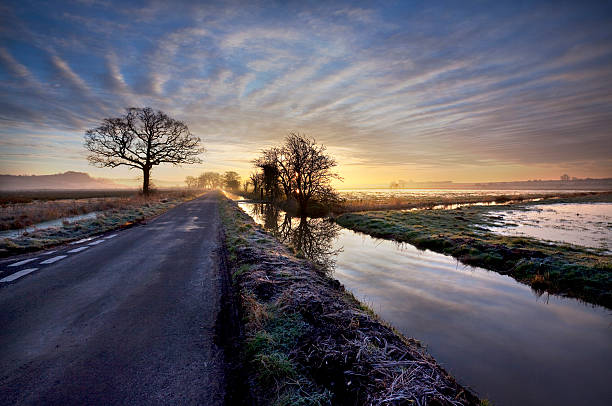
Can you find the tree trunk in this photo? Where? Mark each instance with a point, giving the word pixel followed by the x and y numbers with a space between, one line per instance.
pixel 146 172
pixel 303 206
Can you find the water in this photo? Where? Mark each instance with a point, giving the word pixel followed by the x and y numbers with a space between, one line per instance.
pixel 47 224
pixel 418 194
pixel 588 225
pixel 493 334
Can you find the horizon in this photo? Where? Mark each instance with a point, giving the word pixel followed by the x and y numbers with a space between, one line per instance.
pixel 130 183
pixel 421 91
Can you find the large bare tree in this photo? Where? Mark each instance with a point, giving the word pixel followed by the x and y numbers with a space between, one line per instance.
pixel 302 168
pixel 311 169
pixel 142 139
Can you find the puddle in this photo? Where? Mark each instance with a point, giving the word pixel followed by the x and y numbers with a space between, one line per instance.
pixel 584 224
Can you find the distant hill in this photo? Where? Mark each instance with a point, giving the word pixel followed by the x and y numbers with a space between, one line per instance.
pixel 66 180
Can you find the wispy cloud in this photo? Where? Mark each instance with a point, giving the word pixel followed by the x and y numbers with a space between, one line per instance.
pixel 424 88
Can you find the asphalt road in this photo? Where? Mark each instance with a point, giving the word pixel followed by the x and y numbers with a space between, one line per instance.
pixel 128 320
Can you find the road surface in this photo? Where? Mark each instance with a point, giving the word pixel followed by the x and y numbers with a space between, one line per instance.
pixel 130 319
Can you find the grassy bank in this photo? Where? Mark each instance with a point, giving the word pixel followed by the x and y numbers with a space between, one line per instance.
pixel 557 268
pixel 129 211
pixel 307 341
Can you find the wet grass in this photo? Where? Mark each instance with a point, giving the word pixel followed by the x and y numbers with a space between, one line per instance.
pixel 307 341
pixel 557 268
pixel 124 216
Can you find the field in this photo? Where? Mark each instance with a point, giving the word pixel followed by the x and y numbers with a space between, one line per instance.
pixel 115 209
pixel 463 232
pixel 26 208
pixel 393 199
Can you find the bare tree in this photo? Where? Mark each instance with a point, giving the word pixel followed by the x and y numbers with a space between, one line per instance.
pixel 142 139
pixel 278 158
pixel 270 180
pixel 256 180
pixel 311 169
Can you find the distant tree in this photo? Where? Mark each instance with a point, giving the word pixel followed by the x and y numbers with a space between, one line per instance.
pixel 231 180
pixel 191 182
pixel 565 177
pixel 256 181
pixel 210 180
pixel 142 139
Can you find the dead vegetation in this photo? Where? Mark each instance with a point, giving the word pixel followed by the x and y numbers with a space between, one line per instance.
pixel 308 341
pixel 355 202
pixel 134 211
pixel 23 210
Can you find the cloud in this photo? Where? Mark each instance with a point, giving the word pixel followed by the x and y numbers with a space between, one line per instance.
pixel 68 75
pixel 386 85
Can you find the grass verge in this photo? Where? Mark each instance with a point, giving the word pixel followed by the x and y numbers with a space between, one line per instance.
pixel 558 268
pixel 121 217
pixel 307 341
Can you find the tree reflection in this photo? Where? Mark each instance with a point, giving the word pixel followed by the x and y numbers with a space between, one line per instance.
pixel 312 238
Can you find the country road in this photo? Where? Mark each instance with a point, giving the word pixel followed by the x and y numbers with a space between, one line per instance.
pixel 126 318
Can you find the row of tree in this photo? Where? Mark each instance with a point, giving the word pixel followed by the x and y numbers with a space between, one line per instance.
pixel 214 180
pixel 298 170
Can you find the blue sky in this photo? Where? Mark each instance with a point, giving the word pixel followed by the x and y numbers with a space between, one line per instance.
pixel 466 91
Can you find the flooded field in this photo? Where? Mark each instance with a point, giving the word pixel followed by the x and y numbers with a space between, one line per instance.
pixel 356 200
pixel 47 224
pixel 492 333
pixel 419 194
pixel 588 225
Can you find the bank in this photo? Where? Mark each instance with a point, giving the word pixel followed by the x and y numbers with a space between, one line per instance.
pixel 563 269
pixel 306 340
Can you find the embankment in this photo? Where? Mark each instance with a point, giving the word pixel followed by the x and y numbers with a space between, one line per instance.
pixel 309 341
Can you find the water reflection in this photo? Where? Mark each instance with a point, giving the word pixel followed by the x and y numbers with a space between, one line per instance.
pixel 488 330
pixel 584 224
pixel 312 238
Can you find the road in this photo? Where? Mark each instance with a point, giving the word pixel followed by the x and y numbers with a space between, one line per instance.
pixel 128 320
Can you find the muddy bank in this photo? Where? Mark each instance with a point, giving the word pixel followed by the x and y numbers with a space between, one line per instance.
pixel 308 341
pixel 464 233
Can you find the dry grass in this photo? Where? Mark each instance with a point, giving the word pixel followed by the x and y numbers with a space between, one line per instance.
pixel 355 202
pixel 308 341
pixel 19 212
pixel 137 211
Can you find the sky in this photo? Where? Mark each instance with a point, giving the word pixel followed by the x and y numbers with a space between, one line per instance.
pixel 467 91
